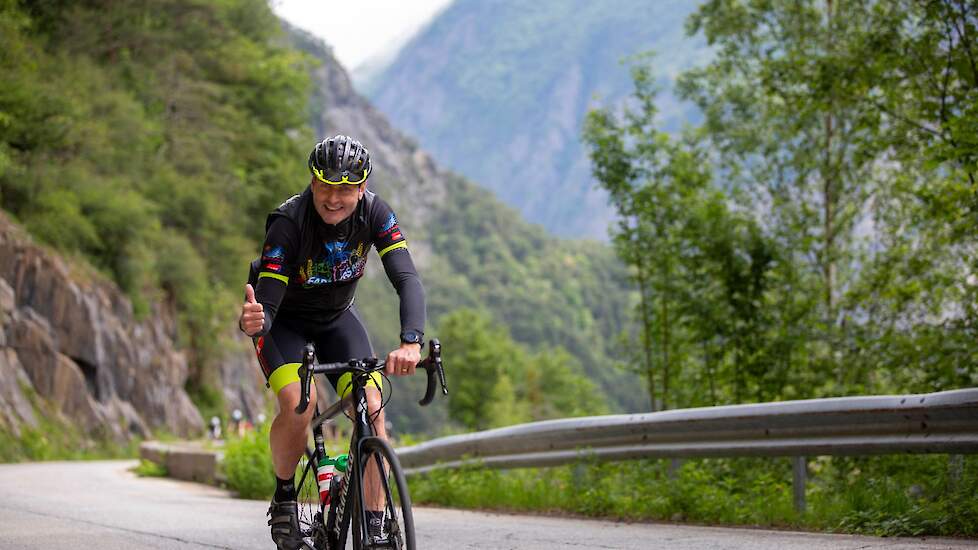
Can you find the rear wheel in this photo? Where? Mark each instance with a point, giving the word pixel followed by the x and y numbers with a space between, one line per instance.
pixel 383 491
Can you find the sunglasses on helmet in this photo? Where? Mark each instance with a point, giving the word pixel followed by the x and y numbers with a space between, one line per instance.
pixel 336 177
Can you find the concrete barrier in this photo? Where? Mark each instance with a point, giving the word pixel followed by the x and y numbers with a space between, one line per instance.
pixel 188 461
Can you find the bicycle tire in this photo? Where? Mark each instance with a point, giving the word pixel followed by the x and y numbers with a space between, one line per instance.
pixel 398 521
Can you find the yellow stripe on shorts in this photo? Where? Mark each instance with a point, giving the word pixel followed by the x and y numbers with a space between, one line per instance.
pixel 283 376
pixel 345 383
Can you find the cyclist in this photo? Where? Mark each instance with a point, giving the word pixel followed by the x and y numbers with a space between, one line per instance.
pixel 301 289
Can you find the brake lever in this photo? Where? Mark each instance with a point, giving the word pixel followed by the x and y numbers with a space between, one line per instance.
pixel 305 377
pixel 436 347
pixel 432 365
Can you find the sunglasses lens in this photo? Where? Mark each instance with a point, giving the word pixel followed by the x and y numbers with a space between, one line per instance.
pixel 336 176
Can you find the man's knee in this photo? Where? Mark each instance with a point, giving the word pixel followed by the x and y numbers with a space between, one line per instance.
pixel 288 399
pixel 374 399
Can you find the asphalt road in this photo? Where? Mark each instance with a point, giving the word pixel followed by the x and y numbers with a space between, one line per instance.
pixel 101 505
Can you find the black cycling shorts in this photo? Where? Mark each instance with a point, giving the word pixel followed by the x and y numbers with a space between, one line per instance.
pixel 280 351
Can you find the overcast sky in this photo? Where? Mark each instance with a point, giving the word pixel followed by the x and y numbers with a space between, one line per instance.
pixel 358 29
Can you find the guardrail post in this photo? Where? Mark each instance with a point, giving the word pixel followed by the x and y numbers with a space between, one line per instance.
pixel 674 465
pixel 955 471
pixel 799 467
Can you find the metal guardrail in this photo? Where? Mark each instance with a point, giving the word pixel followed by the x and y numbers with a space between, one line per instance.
pixel 944 422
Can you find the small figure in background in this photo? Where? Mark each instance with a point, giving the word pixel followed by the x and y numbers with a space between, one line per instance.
pixel 260 421
pixel 234 426
pixel 215 431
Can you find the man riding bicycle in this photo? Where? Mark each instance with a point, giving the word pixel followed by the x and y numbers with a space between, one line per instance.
pixel 301 290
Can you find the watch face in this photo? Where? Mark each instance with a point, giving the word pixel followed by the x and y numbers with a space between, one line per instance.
pixel 411 337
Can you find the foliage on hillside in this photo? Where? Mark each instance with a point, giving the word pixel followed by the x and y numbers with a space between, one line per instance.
pixel 816 237
pixel 570 294
pixel 497 382
pixel 147 137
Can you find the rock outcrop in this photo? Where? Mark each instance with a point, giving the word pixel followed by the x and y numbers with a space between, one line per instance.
pixel 70 337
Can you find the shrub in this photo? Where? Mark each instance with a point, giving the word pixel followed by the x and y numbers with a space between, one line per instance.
pixel 148 468
pixel 248 465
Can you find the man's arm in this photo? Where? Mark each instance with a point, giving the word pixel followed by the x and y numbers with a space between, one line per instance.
pixel 400 270
pixel 392 247
pixel 404 277
pixel 273 276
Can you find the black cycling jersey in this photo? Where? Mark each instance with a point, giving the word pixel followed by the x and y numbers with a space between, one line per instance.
pixel 309 270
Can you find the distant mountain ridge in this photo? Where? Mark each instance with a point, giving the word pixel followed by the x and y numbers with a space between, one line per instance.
pixel 498 90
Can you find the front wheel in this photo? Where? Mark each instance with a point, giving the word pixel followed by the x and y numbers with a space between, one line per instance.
pixel 385 519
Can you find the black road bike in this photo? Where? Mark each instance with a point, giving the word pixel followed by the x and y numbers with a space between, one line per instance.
pixel 352 491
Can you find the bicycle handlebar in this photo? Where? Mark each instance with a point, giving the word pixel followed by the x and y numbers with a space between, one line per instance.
pixel 432 365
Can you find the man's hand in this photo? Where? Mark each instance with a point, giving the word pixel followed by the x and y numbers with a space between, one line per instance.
pixel 403 360
pixel 252 314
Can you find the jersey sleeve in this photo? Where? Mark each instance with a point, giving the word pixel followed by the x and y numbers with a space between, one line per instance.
pixel 278 252
pixel 275 266
pixel 386 233
pixel 399 267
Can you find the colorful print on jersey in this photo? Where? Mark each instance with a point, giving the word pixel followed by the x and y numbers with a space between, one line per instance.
pixel 391 222
pixel 334 264
pixel 390 232
pixel 273 259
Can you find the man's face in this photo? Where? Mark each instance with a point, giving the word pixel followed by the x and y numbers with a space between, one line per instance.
pixel 335 203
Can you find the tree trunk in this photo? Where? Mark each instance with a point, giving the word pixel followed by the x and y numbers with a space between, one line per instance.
pixel 646 323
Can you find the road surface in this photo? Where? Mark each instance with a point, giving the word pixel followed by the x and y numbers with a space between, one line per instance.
pixel 101 505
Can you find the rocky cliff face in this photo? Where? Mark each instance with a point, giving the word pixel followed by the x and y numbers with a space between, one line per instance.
pixel 71 339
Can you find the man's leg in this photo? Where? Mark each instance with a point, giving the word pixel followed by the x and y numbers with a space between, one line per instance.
pixel 279 355
pixel 288 435
pixel 373 490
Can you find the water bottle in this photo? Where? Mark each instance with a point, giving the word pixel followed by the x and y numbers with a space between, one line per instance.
pixel 324 475
pixel 329 472
pixel 340 463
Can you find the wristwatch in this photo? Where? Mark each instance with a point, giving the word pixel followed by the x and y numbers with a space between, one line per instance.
pixel 412 337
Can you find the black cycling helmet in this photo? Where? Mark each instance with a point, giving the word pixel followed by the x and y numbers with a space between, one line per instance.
pixel 340 159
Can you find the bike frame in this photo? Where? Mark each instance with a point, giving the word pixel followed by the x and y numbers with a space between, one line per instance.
pixel 362 427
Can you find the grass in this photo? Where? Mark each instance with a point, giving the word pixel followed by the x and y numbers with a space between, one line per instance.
pixel 56 438
pixel 891 495
pixel 148 468
pixel 902 495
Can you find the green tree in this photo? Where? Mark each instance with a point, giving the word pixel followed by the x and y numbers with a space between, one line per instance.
pixel 850 125
pixel 556 386
pixel 779 109
pixel 478 352
pixel 497 382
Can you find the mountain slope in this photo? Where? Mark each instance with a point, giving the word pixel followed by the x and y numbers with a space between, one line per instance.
pixel 497 90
